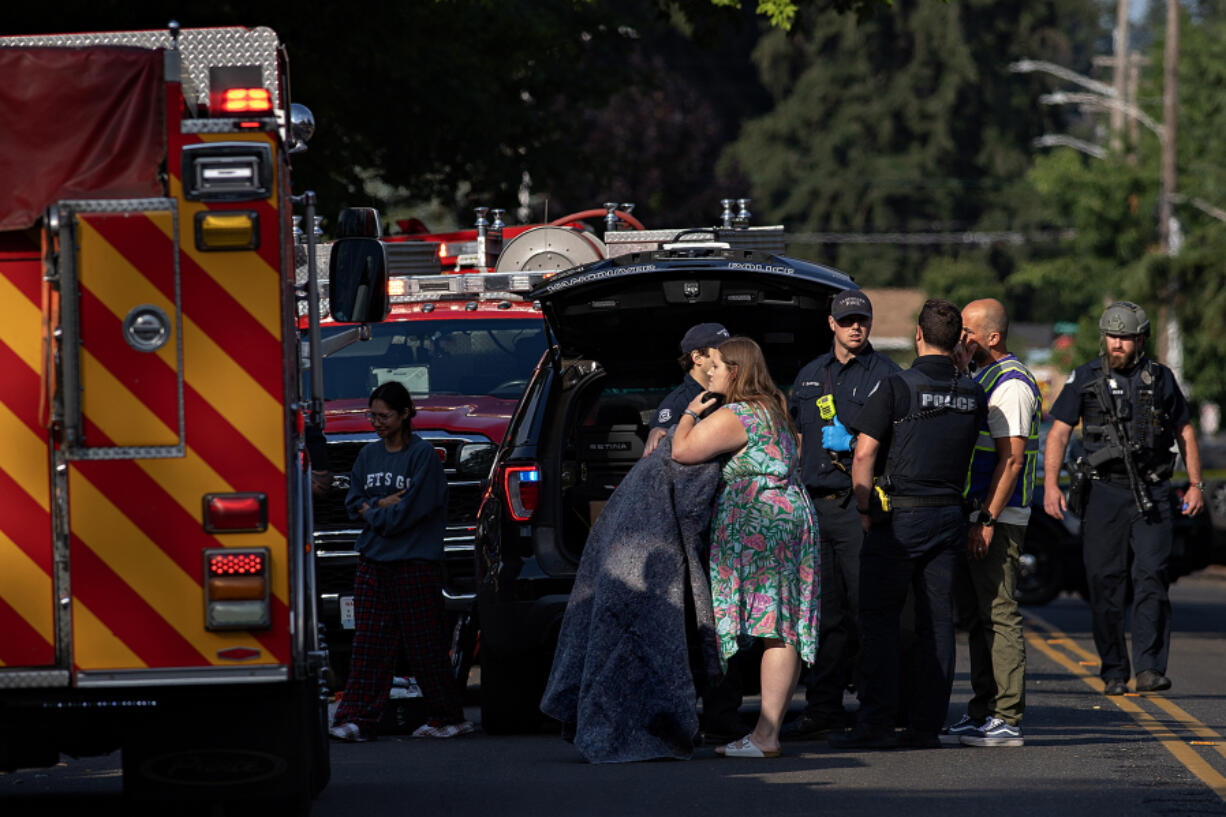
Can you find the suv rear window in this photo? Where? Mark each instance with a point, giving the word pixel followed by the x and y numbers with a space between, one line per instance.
pixel 438 357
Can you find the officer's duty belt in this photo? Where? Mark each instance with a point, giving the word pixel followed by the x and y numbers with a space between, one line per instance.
pixel 897 501
pixel 843 494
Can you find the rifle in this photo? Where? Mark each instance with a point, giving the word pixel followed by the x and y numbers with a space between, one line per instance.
pixel 1118 446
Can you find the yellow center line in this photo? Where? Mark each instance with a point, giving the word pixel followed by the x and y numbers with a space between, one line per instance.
pixel 1194 726
pixel 1178 747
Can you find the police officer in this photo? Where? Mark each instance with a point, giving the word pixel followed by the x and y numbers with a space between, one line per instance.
pixel 1132 413
pixel 695 361
pixel 826 398
pixel 921 425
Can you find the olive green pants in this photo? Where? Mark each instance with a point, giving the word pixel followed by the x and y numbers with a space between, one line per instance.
pixel 984 592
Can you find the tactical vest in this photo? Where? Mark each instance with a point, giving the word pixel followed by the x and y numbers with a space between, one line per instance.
pixel 931 446
pixel 984 458
pixel 1147 426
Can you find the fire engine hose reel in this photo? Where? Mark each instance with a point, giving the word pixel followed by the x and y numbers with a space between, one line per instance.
pixel 146 328
pixel 549 248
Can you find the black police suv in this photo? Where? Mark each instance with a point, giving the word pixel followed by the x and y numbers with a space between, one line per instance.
pixel 582 422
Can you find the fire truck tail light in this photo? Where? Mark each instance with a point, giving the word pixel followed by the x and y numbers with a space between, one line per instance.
pixel 238 588
pixel 235 513
pixel 227 230
pixel 241 563
pixel 522 488
pixel 236 593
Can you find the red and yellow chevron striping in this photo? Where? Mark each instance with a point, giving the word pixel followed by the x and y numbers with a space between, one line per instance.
pixel 137 536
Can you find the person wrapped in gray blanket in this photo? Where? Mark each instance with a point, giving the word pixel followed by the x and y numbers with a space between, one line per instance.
pixel 622 676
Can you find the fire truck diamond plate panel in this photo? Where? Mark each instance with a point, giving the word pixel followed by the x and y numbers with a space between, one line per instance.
pixel 199 50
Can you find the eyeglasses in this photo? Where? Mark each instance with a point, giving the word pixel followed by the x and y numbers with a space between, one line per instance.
pixel 852 320
pixel 380 416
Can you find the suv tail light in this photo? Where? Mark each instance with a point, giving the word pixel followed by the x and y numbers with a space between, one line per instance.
pixel 521 484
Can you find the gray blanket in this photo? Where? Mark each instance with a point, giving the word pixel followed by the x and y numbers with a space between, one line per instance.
pixel 622 677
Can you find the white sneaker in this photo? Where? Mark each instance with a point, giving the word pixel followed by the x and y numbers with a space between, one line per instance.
pixel 994 733
pixel 348 732
pixel 450 730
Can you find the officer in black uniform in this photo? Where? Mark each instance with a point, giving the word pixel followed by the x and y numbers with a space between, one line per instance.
pixel 826 398
pixel 921 424
pixel 695 361
pixel 1126 511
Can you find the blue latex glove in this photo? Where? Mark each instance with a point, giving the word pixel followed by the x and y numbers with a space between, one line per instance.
pixel 836 437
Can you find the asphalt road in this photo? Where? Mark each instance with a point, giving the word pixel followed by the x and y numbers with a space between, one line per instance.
pixel 1085 754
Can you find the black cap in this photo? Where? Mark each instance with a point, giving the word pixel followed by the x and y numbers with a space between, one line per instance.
pixel 850 302
pixel 702 336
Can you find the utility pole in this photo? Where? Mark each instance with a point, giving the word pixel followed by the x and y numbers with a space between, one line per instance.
pixel 1135 61
pixel 1168 230
pixel 1170 112
pixel 1120 66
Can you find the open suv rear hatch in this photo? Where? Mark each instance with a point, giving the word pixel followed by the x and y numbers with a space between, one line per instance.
pixel 581 424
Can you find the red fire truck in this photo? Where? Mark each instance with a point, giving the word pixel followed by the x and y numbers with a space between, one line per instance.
pixel 156 586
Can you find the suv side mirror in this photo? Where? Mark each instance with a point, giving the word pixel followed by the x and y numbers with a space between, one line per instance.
pixel 357 281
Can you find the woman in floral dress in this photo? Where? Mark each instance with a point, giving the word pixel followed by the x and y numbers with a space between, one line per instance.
pixel 765 578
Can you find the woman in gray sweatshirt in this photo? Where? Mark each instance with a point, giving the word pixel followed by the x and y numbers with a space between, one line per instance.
pixel 399 492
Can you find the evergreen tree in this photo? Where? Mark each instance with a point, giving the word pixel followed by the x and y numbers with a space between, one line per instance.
pixel 907 121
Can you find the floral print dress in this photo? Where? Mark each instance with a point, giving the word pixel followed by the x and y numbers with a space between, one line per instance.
pixel 765 560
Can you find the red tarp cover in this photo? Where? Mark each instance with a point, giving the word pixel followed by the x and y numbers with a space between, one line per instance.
pixel 78 123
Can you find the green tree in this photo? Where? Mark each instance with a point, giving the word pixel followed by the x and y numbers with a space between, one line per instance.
pixel 905 121
pixel 960 280
pixel 1113 204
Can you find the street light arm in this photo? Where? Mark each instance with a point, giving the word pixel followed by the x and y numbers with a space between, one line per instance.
pixel 1051 140
pixel 1108 103
pixel 1027 66
pixel 1200 204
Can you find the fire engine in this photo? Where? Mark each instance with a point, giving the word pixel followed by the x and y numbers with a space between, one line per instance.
pixel 156 579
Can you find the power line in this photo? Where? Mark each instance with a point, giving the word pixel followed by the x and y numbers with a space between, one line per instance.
pixel 971 237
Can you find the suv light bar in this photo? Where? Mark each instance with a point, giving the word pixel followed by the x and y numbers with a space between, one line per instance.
pixel 465 286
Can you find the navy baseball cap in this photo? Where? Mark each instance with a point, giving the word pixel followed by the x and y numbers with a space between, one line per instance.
pixel 850 302
pixel 702 336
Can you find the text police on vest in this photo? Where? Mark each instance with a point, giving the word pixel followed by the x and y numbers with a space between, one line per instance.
pixel 957 402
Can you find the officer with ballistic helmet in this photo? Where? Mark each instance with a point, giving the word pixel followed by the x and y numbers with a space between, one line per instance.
pixel 916 434
pixel 1133 415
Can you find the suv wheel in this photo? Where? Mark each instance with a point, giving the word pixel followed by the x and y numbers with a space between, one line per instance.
pixel 463 648
pixel 1040 575
pixel 511 689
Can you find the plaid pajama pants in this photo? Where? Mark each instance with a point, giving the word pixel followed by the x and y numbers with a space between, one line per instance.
pixel 395 600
